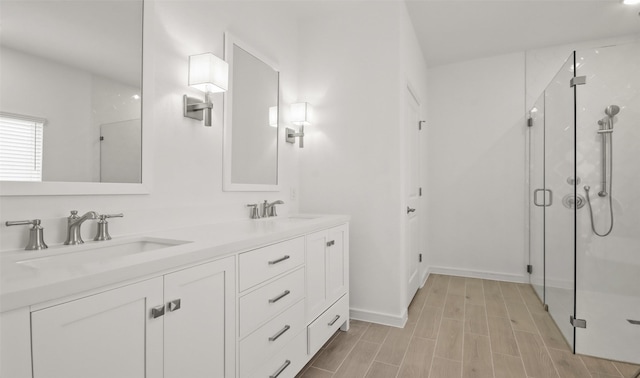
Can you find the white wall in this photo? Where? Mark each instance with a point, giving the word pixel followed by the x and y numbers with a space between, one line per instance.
pixel 352 160
pixel 476 168
pixel 187 157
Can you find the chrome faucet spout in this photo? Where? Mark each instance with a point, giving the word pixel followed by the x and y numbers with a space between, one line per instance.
pixel 74 223
pixel 269 209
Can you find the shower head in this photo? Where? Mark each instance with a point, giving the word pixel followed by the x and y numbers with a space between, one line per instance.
pixel 612 110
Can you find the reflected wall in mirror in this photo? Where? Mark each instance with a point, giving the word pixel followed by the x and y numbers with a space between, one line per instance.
pixel 77 66
pixel 251 120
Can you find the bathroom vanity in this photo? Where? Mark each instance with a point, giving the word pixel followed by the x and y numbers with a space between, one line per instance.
pixel 254 298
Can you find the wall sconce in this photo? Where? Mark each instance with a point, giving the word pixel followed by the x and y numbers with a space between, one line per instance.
pixel 209 74
pixel 300 115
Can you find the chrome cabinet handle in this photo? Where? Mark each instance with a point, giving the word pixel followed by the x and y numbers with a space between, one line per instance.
pixel 330 243
pixel 174 305
pixel 274 300
pixel 157 312
pixel 410 210
pixel 280 333
pixel 285 257
pixel 334 320
pixel 281 369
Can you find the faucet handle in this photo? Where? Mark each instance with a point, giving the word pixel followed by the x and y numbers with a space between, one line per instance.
pixel 105 216
pixel 254 213
pixel 36 234
pixel 103 226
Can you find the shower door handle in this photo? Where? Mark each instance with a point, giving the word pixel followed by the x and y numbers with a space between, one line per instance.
pixel 545 204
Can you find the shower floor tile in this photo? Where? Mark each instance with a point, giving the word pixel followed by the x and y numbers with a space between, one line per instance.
pixel 461 327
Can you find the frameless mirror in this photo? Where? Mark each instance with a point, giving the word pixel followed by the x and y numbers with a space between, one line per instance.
pixel 250 120
pixel 70 95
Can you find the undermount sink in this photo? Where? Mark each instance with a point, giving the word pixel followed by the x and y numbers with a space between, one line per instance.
pixel 96 252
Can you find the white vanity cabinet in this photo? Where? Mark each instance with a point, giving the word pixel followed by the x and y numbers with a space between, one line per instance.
pixel 261 310
pixel 327 257
pixel 178 325
pixel 327 269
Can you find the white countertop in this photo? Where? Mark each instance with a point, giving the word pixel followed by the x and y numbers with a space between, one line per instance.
pixel 22 285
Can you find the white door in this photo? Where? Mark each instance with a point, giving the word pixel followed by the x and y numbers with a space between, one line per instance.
pixel 111 334
pixel 412 192
pixel 199 323
pixel 121 152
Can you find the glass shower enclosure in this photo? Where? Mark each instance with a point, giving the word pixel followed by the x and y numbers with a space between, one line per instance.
pixel 584 184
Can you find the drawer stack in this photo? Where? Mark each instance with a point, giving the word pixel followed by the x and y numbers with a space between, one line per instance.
pixel 272 328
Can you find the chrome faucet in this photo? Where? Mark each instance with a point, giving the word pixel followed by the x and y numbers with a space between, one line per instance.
pixel 73 226
pixel 269 209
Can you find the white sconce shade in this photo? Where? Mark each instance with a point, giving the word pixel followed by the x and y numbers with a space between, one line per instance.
pixel 301 114
pixel 631 2
pixel 273 116
pixel 208 73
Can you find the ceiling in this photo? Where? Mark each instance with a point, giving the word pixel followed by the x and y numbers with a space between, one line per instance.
pixel 450 30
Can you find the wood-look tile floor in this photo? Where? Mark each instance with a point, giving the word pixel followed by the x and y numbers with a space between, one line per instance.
pixel 462 327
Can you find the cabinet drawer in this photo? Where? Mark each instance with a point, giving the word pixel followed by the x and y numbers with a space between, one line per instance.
pixel 264 263
pixel 270 338
pixel 261 304
pixel 288 362
pixel 322 328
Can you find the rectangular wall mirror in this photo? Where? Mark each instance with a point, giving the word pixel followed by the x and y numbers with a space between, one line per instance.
pixel 71 97
pixel 251 120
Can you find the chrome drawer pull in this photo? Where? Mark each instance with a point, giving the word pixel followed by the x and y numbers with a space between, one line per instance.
pixel 274 300
pixel 280 333
pixel 334 320
pixel 157 312
pixel 279 371
pixel 285 257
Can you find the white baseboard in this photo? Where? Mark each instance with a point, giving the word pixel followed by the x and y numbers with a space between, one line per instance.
pixel 478 274
pixel 379 318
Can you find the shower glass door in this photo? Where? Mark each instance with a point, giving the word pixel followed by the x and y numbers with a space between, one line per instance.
pixel 559 179
pixel 537 198
pixel 608 267
pixel 552 215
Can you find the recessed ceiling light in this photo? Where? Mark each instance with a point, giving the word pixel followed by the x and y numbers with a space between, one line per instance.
pixel 631 2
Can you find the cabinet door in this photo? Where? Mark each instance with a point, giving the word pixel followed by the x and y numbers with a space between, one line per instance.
pixel 111 334
pixel 316 274
pixel 337 254
pixel 199 336
pixel 15 344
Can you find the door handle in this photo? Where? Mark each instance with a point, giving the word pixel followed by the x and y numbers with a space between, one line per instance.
pixel 410 210
pixel 330 243
pixel 535 197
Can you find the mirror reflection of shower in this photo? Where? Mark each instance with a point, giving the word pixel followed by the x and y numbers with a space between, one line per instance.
pixel 606 133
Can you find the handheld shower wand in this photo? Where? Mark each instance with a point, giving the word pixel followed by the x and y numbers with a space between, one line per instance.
pixel 606 129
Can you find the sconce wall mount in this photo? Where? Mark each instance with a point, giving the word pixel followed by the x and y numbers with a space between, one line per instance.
pixel 300 115
pixel 209 74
